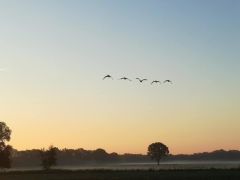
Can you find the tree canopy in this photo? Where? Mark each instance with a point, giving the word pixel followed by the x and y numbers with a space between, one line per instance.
pixel 157 151
pixel 5 151
pixel 48 157
pixel 5 134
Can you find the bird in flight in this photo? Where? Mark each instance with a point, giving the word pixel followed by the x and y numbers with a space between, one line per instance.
pixel 141 80
pixel 107 76
pixel 168 81
pixel 125 78
pixel 156 82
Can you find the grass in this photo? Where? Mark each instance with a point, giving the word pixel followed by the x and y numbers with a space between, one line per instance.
pixel 138 174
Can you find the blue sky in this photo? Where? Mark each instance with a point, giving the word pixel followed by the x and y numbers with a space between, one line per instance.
pixel 55 53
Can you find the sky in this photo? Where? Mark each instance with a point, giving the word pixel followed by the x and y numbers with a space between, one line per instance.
pixel 54 54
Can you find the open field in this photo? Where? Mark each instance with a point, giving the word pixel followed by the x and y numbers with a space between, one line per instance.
pixel 142 166
pixel 104 174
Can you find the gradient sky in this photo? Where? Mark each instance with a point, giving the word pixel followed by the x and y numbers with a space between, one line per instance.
pixel 54 54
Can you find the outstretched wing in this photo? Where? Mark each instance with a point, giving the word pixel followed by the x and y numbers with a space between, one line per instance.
pixel 153 82
pixel 165 81
pixel 168 81
pixel 144 80
pixel 104 77
pixel 129 79
pixel 107 76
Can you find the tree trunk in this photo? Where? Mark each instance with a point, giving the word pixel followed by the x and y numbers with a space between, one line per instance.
pixel 158 161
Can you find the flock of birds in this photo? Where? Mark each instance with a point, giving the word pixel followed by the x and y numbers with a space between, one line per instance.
pixel 140 80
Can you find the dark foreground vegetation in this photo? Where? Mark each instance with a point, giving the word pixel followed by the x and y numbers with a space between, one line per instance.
pixel 104 174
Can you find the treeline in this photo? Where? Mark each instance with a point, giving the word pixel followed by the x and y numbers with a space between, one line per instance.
pixel 65 157
pixel 218 155
pixel 81 156
pixel 221 155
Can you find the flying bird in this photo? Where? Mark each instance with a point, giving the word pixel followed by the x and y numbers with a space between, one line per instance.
pixel 156 82
pixel 141 80
pixel 107 76
pixel 125 78
pixel 167 81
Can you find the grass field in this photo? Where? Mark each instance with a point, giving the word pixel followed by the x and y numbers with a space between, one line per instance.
pixel 104 174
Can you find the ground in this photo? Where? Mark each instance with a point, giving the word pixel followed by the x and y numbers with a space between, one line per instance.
pixel 210 174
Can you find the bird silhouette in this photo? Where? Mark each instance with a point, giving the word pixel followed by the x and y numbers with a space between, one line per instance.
pixel 156 82
pixel 167 81
pixel 141 80
pixel 107 76
pixel 125 78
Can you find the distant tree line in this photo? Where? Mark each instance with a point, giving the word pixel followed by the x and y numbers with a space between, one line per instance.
pixel 64 157
pixel 100 156
pixel 217 155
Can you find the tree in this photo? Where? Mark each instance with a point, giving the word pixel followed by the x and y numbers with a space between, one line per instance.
pixel 5 151
pixel 157 151
pixel 48 157
pixel 5 154
pixel 100 155
pixel 5 134
pixel 114 158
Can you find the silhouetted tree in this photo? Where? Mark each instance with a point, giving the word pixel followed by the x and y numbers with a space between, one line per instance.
pixel 100 155
pixel 114 158
pixel 86 155
pixel 157 151
pixel 5 154
pixel 5 151
pixel 48 157
pixel 5 134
